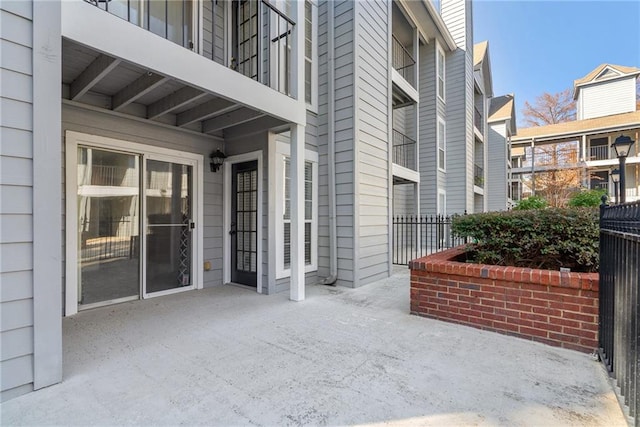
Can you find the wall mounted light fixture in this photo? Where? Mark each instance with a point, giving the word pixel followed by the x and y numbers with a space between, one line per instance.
pixel 217 159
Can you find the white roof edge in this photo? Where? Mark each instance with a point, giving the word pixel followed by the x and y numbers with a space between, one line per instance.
pixel 442 27
pixel 552 136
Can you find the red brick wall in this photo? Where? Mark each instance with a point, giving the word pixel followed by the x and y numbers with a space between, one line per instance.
pixel 560 309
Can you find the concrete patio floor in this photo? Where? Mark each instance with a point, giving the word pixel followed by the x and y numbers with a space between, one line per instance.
pixel 228 356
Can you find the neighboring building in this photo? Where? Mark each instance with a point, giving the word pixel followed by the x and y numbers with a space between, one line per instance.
pixel 606 108
pixel 330 115
pixel 502 127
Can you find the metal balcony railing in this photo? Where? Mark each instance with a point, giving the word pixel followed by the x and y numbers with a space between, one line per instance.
pixel 478 176
pixel 599 185
pixel 404 150
pixel 261 38
pixel 599 152
pixel 477 120
pixel 403 62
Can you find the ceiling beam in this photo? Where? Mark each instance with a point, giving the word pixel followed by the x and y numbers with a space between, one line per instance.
pixel 96 71
pixel 232 118
pixel 143 85
pixel 204 111
pixel 177 99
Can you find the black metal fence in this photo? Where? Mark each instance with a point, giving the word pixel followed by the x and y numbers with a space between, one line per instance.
pixel 404 150
pixel 415 236
pixel 619 332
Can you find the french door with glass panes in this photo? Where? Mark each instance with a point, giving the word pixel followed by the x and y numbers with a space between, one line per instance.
pixel 135 225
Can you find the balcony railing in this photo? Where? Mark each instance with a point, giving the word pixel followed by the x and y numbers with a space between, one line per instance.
pixel 477 120
pixel 261 35
pixel 599 152
pixel 478 176
pixel 403 61
pixel 404 150
pixel 599 185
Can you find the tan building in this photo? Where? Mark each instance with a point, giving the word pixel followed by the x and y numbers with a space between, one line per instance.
pixel 580 151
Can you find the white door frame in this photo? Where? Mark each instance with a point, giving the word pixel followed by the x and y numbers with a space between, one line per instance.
pixel 72 140
pixel 226 240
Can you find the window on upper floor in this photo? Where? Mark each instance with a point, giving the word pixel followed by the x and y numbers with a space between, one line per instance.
pixel 310 53
pixel 440 66
pixel 442 144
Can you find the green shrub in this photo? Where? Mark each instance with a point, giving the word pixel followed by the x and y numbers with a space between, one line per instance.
pixel 543 238
pixel 585 198
pixel 533 202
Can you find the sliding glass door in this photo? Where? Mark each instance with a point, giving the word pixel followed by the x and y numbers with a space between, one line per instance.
pixel 118 195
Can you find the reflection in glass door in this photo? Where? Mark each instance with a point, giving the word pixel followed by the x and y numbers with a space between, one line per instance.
pixel 108 220
pixel 168 197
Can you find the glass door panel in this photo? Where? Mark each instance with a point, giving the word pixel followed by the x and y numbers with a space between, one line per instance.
pixel 168 194
pixel 108 225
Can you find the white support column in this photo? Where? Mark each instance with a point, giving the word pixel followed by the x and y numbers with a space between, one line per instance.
pixel 297 213
pixel 296 292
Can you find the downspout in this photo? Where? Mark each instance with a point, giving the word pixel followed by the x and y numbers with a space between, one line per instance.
pixel 331 150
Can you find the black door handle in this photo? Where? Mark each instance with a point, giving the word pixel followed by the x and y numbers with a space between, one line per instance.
pixel 233 229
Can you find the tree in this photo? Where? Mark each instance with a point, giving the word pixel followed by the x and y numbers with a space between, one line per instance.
pixel 549 109
pixel 559 179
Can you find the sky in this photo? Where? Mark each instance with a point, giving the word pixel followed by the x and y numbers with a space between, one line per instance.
pixel 544 45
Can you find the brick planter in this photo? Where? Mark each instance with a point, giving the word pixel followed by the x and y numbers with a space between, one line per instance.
pixel 559 309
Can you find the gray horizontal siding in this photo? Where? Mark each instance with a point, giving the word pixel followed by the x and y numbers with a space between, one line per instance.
pixel 496 188
pixel 373 141
pixel 427 145
pixel 16 199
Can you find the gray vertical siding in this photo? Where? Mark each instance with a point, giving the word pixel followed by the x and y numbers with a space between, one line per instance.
pixel 16 199
pixel 373 140
pixel 459 103
pixel 495 189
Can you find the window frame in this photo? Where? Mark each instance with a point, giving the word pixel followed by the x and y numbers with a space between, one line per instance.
pixel 282 151
pixel 313 105
pixel 441 139
pixel 440 209
pixel 441 59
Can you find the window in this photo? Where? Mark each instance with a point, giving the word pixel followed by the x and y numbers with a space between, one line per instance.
pixel 441 71
pixel 282 165
pixel 442 145
pixel 442 202
pixel 310 53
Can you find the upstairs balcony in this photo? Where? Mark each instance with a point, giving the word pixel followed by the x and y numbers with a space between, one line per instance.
pixel 599 152
pixel 478 176
pixel 478 122
pixel 221 68
pixel 403 73
pixel 261 35
pixel 404 150
pixel 403 62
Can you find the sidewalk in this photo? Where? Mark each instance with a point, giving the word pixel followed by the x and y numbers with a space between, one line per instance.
pixel 228 356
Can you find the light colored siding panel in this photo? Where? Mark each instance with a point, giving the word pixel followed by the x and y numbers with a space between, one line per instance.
pixel 16 86
pixel 16 285
pixel 16 28
pixel 17 372
pixel 16 228
pixel 16 343
pixel 16 114
pixel 16 143
pixel 16 171
pixel 16 257
pixel 20 8
pixel 427 145
pixel 15 200
pixel 16 314
pixel 15 57
pixel 607 98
